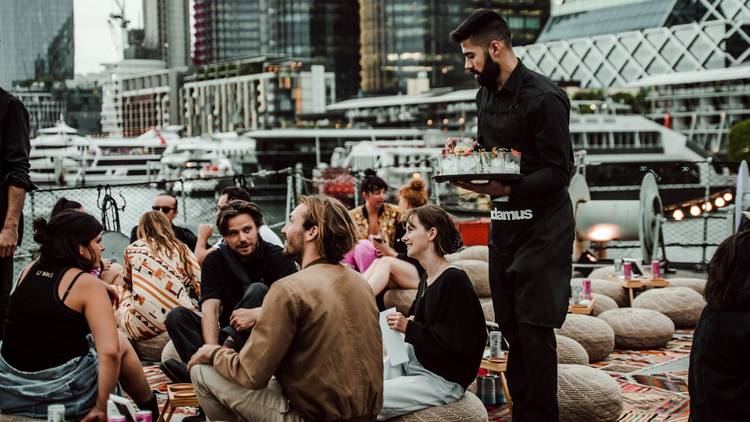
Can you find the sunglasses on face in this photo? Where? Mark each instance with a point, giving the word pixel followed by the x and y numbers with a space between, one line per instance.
pixel 165 210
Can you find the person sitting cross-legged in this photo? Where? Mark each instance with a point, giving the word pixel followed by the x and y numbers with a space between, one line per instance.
pixel 316 351
pixel 234 280
pixel 445 333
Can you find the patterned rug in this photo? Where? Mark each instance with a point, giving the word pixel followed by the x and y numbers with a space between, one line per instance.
pixel 157 381
pixel 653 382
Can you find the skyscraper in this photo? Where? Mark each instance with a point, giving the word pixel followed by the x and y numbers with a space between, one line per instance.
pixel 403 40
pixel 322 32
pixel 228 29
pixel 166 25
pixel 27 31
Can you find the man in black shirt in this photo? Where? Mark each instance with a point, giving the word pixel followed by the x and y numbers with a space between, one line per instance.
pixel 531 235
pixel 14 182
pixel 234 280
pixel 167 204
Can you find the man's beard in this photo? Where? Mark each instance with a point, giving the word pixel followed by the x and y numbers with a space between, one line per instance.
pixel 488 76
pixel 293 248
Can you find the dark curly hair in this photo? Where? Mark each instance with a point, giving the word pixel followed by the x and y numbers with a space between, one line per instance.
pixel 372 182
pixel 235 208
pixel 61 237
pixel 448 238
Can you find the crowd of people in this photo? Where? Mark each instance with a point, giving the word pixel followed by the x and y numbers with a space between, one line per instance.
pixel 264 330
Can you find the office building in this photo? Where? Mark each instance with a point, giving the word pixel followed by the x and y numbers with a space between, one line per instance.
pixel 228 30
pixel 28 30
pixel 112 90
pixel 166 26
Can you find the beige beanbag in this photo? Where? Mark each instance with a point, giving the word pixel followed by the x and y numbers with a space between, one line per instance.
pixel 603 272
pixel 602 303
pixel 639 329
pixel 469 408
pixel 570 351
pixel 478 272
pixel 697 284
pixel 605 287
pixel 170 352
pixel 150 350
pixel 595 335
pixel 681 304
pixel 587 394
pixel 489 311
pixel 400 298
pixel 481 253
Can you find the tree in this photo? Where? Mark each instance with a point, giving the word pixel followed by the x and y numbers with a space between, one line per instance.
pixel 738 147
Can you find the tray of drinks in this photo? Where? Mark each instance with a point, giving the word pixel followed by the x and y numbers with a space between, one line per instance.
pixel 478 178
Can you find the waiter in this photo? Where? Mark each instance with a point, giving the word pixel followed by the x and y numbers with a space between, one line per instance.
pixel 531 236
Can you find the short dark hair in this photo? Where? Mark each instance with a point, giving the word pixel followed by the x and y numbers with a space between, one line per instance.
pixel 448 238
pixel 728 285
pixel 482 27
pixel 176 204
pixel 235 208
pixel 372 182
pixel 234 192
pixel 62 235
pixel 64 204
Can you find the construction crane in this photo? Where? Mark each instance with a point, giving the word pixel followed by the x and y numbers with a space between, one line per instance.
pixel 119 31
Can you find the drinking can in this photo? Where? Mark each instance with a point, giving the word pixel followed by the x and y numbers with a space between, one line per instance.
pixel 56 413
pixel 655 269
pixel 618 264
pixel 486 389
pixel 627 270
pixel 143 416
pixel 496 344
pixel 587 288
pixel 116 418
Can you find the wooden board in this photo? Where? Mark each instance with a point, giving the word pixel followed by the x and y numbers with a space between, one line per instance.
pixel 582 309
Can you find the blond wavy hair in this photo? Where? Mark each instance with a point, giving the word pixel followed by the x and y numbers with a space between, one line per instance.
pixel 156 231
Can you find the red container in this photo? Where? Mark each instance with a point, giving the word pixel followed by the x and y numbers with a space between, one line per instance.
pixel 475 232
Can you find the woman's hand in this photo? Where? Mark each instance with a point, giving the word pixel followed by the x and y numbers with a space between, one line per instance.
pixel 382 247
pixel 95 415
pixel 397 322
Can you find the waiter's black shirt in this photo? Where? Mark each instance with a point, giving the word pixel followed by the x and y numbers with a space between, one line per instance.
pixel 529 114
pixel 14 150
pixel 182 234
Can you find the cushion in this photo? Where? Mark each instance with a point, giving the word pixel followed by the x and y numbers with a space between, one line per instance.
pixel 400 298
pixel 587 394
pixel 169 352
pixel 150 350
pixel 602 303
pixel 595 335
pixel 481 253
pixel 681 304
pixel 603 272
pixel 605 287
pixel 697 284
pixel 639 329
pixel 479 274
pixel 570 351
pixel 469 408
pixel 489 310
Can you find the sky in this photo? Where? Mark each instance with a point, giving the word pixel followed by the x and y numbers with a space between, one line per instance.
pixel 93 38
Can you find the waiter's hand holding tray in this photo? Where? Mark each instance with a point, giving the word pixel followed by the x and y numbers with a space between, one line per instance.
pixel 463 162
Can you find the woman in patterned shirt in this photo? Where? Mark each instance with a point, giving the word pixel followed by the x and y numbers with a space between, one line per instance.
pixel 161 273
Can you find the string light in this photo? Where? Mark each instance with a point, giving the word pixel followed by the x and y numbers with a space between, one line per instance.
pixel 678 215
pixel 695 211
pixel 719 202
pixel 728 196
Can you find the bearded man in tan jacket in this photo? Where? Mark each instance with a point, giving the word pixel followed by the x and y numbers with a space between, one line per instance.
pixel 316 351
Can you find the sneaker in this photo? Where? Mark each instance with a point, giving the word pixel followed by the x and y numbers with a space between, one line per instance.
pixel 200 416
pixel 175 370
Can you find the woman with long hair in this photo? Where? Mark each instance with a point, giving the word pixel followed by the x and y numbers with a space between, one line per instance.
pixel 719 375
pixel 445 330
pixel 395 269
pixel 161 273
pixel 48 355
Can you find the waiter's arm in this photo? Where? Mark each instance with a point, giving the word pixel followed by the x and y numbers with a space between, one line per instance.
pixel 549 119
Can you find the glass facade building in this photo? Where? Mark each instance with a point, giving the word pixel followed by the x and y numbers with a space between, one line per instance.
pixel 318 32
pixel 28 30
pixel 228 29
pixel 403 40
pixel 166 25
pixel 612 43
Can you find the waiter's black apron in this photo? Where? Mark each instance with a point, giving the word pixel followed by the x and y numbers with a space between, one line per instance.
pixel 531 239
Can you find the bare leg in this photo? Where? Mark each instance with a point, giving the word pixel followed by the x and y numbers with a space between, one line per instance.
pixel 113 275
pixel 393 272
pixel 131 373
pixel 371 268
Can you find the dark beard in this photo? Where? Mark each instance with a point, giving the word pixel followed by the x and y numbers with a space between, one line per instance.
pixel 488 76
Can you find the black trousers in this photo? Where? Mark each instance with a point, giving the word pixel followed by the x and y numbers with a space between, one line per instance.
pixel 184 326
pixel 532 371
pixel 6 282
